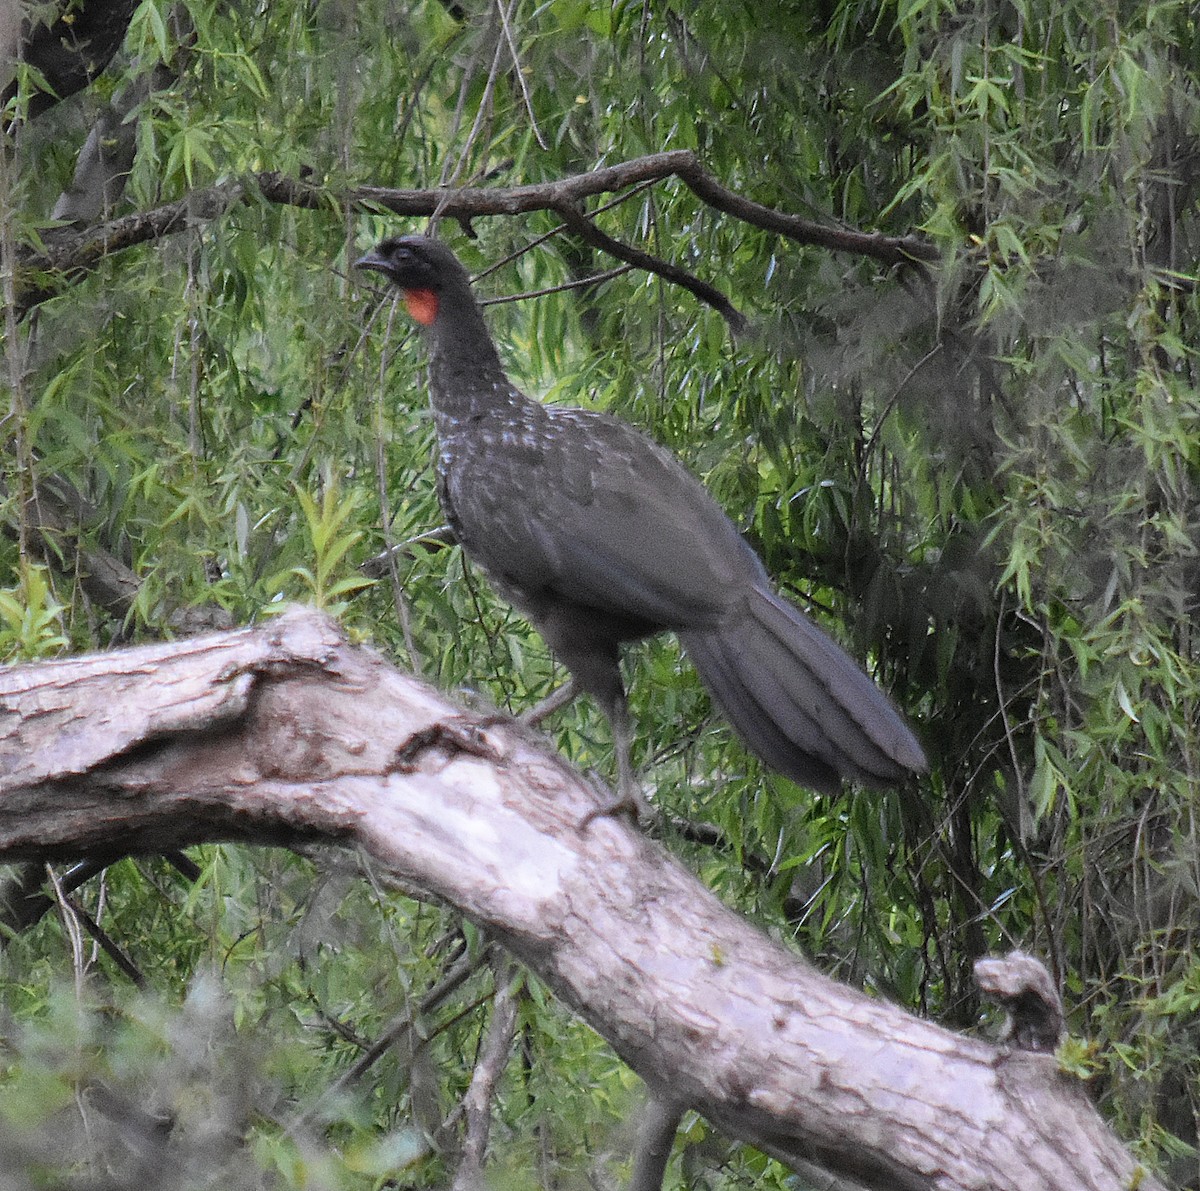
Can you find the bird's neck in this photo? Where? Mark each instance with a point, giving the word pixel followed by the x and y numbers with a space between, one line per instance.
pixel 466 378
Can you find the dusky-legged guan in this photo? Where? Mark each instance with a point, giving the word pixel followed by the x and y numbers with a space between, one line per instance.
pixel 601 536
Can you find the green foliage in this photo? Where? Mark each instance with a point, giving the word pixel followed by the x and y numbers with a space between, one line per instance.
pixel 30 619
pixel 330 540
pixel 984 476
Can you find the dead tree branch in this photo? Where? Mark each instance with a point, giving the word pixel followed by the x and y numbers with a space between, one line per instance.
pixel 285 734
pixel 478 1102
pixel 70 253
pixel 587 231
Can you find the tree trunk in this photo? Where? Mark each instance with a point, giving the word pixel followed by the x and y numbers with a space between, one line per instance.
pixel 285 733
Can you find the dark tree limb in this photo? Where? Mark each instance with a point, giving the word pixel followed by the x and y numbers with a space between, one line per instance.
pixel 473 202
pixel 587 231
pixel 656 1136
pixel 104 941
pixel 71 253
pixel 888 250
pixel 285 734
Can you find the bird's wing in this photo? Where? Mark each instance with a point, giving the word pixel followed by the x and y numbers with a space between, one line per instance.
pixel 612 521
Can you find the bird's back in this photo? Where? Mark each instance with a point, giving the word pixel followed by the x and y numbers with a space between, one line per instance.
pixel 581 505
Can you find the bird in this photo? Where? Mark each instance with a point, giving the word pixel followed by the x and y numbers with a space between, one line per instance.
pixel 600 536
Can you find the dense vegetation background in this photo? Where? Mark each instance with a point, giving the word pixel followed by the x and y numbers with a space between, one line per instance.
pixel 980 467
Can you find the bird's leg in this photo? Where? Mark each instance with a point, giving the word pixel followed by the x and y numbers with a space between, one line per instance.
pixel 629 790
pixel 553 702
pixel 630 800
pixel 594 666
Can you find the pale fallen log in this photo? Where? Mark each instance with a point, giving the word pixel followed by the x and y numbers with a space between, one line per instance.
pixel 286 734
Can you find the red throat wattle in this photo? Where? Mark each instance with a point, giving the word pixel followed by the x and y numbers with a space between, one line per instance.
pixel 422 305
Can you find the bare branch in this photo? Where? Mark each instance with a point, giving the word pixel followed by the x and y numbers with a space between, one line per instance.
pixel 656 1136
pixel 477 1103
pixel 889 250
pixel 104 940
pixel 396 1033
pixel 588 231
pixel 285 733
pixel 70 253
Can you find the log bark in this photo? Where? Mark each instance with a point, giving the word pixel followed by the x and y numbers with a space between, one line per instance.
pixel 285 734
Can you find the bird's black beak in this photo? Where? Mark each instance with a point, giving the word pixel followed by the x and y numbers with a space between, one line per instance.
pixel 372 260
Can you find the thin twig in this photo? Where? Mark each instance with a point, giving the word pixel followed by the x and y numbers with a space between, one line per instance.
pixel 377 566
pixel 578 283
pixel 477 1103
pixel 516 61
pixel 71 924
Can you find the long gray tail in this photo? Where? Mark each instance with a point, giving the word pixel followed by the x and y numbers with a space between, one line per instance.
pixel 799 701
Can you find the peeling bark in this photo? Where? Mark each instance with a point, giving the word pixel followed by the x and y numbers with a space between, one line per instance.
pixel 285 733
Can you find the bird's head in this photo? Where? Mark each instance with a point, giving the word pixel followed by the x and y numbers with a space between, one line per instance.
pixel 421 268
